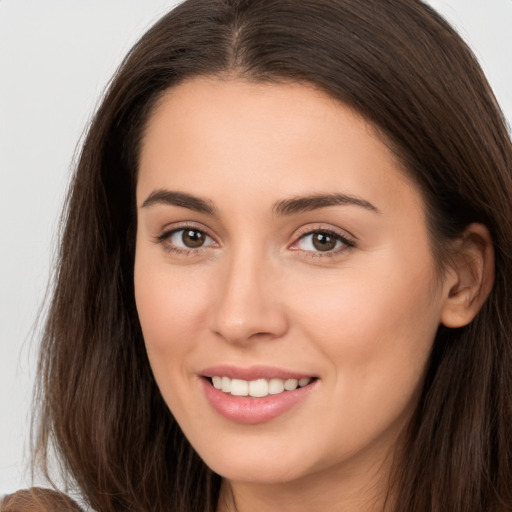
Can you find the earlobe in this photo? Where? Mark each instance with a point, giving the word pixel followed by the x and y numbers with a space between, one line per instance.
pixel 470 277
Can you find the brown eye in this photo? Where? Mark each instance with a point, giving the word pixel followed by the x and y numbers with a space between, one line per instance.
pixel 189 238
pixel 323 241
pixel 193 238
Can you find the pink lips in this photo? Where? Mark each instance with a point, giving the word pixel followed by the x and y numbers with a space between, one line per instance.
pixel 249 410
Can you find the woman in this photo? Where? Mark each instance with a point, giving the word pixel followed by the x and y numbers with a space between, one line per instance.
pixel 283 280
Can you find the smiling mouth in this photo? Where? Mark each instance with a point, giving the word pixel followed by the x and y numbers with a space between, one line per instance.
pixel 258 388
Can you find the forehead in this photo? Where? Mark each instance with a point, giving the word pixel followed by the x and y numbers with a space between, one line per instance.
pixel 287 139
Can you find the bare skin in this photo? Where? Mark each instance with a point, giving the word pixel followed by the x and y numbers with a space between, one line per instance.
pixel 276 230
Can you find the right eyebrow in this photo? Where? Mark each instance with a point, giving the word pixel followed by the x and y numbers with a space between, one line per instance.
pixel 181 199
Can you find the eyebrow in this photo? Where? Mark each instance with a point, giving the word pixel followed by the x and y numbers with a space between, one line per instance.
pixel 316 201
pixel 289 206
pixel 181 199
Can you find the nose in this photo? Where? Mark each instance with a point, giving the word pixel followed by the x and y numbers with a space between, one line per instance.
pixel 248 304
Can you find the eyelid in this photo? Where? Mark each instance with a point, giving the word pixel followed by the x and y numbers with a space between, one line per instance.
pixel 322 226
pixel 190 224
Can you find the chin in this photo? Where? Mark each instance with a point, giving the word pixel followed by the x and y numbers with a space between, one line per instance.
pixel 258 462
pixel 269 473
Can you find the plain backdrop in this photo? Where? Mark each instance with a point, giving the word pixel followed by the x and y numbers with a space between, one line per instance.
pixel 56 56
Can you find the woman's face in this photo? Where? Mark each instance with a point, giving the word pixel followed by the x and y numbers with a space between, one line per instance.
pixel 280 245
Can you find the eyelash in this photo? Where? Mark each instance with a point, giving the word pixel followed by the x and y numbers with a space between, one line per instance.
pixel 347 242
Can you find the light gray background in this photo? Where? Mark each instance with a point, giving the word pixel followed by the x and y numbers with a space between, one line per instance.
pixel 56 56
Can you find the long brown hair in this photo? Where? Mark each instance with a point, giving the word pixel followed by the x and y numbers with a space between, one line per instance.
pixel 402 67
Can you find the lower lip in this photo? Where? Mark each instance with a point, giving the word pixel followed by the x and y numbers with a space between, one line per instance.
pixel 249 410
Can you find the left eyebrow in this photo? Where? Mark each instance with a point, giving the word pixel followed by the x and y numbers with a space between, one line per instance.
pixel 316 201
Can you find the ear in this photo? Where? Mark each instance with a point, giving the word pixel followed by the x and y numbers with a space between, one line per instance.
pixel 470 276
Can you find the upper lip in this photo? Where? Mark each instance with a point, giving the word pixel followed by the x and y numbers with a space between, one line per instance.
pixel 253 372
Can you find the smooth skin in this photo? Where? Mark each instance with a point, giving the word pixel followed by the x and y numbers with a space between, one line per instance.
pixel 348 293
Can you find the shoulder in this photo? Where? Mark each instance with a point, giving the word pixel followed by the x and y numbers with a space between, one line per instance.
pixel 37 499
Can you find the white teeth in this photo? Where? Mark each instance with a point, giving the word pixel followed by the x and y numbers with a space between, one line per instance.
pixel 291 384
pixel 226 384
pixel 257 388
pixel 239 387
pixel 275 386
pixel 217 382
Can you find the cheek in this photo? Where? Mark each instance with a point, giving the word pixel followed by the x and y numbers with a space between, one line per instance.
pixel 386 304
pixel 171 305
pixel 376 328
